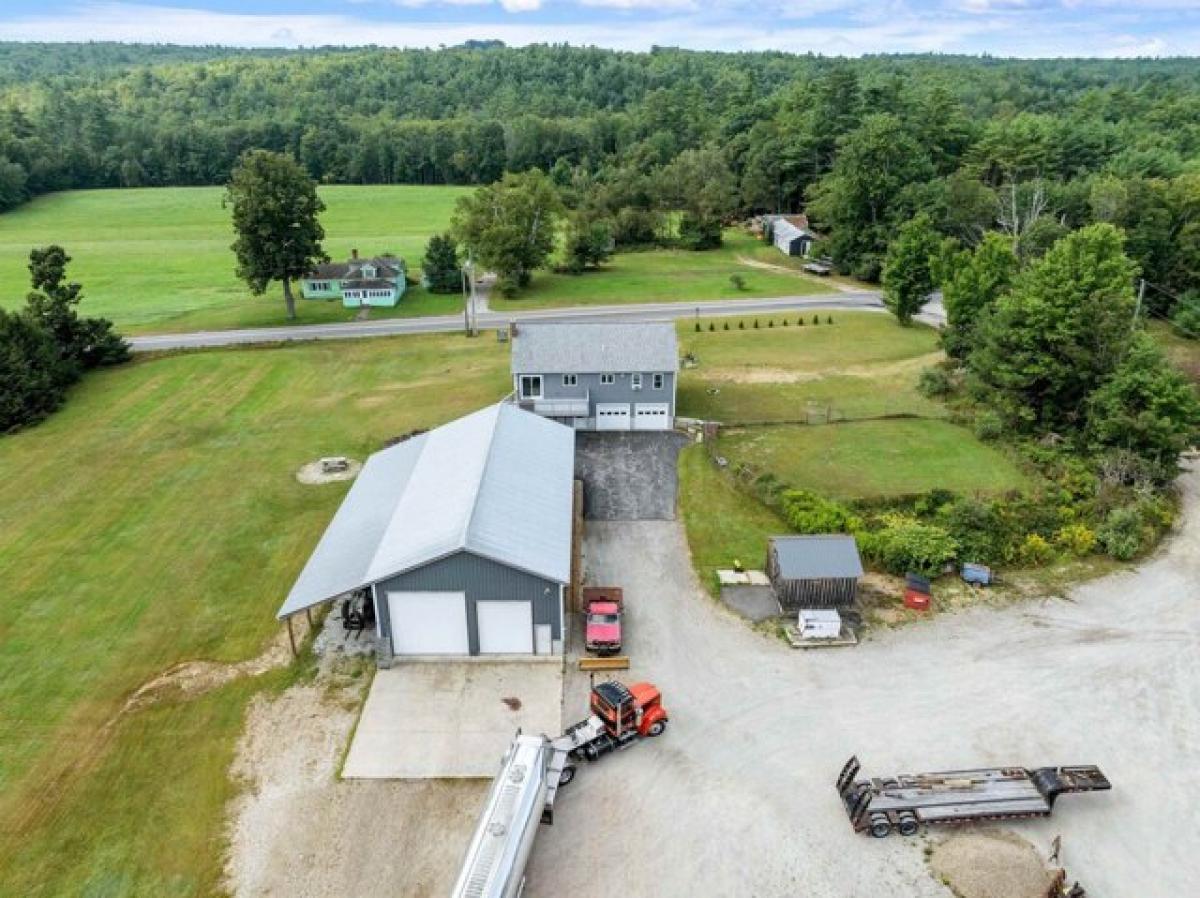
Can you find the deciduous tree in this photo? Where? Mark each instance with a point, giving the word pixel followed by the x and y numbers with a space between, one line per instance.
pixel 907 277
pixel 276 215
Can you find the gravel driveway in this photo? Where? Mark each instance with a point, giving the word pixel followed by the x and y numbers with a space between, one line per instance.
pixel 737 797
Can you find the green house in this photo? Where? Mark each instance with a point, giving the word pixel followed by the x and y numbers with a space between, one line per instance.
pixel 379 281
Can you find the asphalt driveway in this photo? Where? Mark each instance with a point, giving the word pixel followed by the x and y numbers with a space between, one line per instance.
pixel 737 797
pixel 628 476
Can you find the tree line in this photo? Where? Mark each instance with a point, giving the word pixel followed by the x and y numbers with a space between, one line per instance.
pixel 1044 147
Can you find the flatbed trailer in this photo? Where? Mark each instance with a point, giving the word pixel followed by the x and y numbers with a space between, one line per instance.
pixel 907 801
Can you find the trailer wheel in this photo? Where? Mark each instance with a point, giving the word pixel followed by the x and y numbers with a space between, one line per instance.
pixel 568 774
pixel 881 827
pixel 657 728
pixel 908 825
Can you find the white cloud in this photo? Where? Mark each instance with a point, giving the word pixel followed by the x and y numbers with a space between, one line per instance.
pixel 717 27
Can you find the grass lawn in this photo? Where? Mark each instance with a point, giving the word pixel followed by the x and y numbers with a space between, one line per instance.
pixel 722 522
pixel 673 275
pixel 864 364
pixel 156 519
pixel 159 260
pixel 867 459
pixel 1183 352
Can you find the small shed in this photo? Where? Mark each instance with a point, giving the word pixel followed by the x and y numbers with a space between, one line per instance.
pixel 814 571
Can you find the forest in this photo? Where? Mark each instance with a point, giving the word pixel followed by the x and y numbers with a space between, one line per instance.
pixel 1038 147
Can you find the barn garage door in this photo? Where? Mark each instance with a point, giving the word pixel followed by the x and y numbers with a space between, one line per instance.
pixel 429 623
pixel 612 416
pixel 505 628
pixel 651 416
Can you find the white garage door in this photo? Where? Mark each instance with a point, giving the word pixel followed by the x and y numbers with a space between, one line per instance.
pixel 651 416
pixel 505 628
pixel 429 623
pixel 612 416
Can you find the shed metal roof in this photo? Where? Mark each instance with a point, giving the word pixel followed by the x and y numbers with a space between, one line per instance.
pixel 496 483
pixel 789 231
pixel 817 557
pixel 595 348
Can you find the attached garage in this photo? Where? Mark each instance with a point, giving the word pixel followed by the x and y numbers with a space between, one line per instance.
pixel 652 416
pixel 505 627
pixel 428 623
pixel 612 416
pixel 461 535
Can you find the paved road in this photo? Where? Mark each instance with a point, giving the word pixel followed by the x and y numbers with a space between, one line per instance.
pixel 489 320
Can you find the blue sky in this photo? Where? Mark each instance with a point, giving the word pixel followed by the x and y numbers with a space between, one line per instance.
pixel 834 27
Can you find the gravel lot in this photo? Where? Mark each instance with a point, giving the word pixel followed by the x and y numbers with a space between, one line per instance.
pixel 737 797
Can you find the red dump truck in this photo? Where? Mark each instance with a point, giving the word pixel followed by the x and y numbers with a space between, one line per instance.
pixel 603 608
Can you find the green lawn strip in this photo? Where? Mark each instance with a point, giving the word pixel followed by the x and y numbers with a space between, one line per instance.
pixel 722 522
pixel 863 365
pixel 1183 352
pixel 159 259
pixel 669 275
pixel 871 459
pixel 157 519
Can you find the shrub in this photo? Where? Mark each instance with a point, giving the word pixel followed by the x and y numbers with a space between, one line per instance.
pixel 726 325
pixel 697 327
pixel 800 321
pixel 1185 317
pixel 1123 533
pixel 989 425
pixel 978 528
pixel 829 320
pixel 934 383
pixel 741 325
pixel 756 324
pixel 785 324
pixel 807 512
pixel 1036 550
pixel 737 282
pixel 1077 539
pixel 816 319
pixel 905 544
pixel 712 325
pixel 770 322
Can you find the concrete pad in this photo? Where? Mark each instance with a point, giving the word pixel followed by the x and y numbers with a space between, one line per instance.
pixel 450 719
pixel 757 603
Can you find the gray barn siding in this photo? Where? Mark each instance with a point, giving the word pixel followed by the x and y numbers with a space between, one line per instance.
pixel 825 592
pixel 618 391
pixel 481 579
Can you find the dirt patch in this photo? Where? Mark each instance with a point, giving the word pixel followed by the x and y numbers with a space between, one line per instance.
pixel 312 474
pixel 189 679
pixel 296 830
pixel 991 865
pixel 757 375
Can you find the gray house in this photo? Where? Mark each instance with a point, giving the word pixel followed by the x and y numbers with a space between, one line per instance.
pixel 814 571
pixel 462 535
pixel 598 376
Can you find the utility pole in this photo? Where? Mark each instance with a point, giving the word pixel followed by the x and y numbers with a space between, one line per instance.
pixel 466 301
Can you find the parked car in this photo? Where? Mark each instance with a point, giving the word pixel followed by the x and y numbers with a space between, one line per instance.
pixel 603 607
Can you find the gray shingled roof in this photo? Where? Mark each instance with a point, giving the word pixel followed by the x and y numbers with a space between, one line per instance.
pixel 496 483
pixel 817 557
pixel 594 348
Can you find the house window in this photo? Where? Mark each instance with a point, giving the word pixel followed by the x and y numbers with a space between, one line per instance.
pixel 570 380
pixel 657 381
pixel 635 381
pixel 608 379
pixel 531 386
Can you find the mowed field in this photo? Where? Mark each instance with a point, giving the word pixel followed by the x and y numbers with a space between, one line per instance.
pixel 158 259
pixel 860 367
pixel 670 275
pixel 156 519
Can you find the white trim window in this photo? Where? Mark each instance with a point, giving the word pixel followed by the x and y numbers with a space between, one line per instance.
pixel 657 381
pixel 531 386
pixel 635 381
pixel 607 380
pixel 570 380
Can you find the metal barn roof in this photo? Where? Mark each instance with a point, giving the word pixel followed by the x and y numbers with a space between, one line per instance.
pixel 788 231
pixel 817 557
pixel 496 483
pixel 594 348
